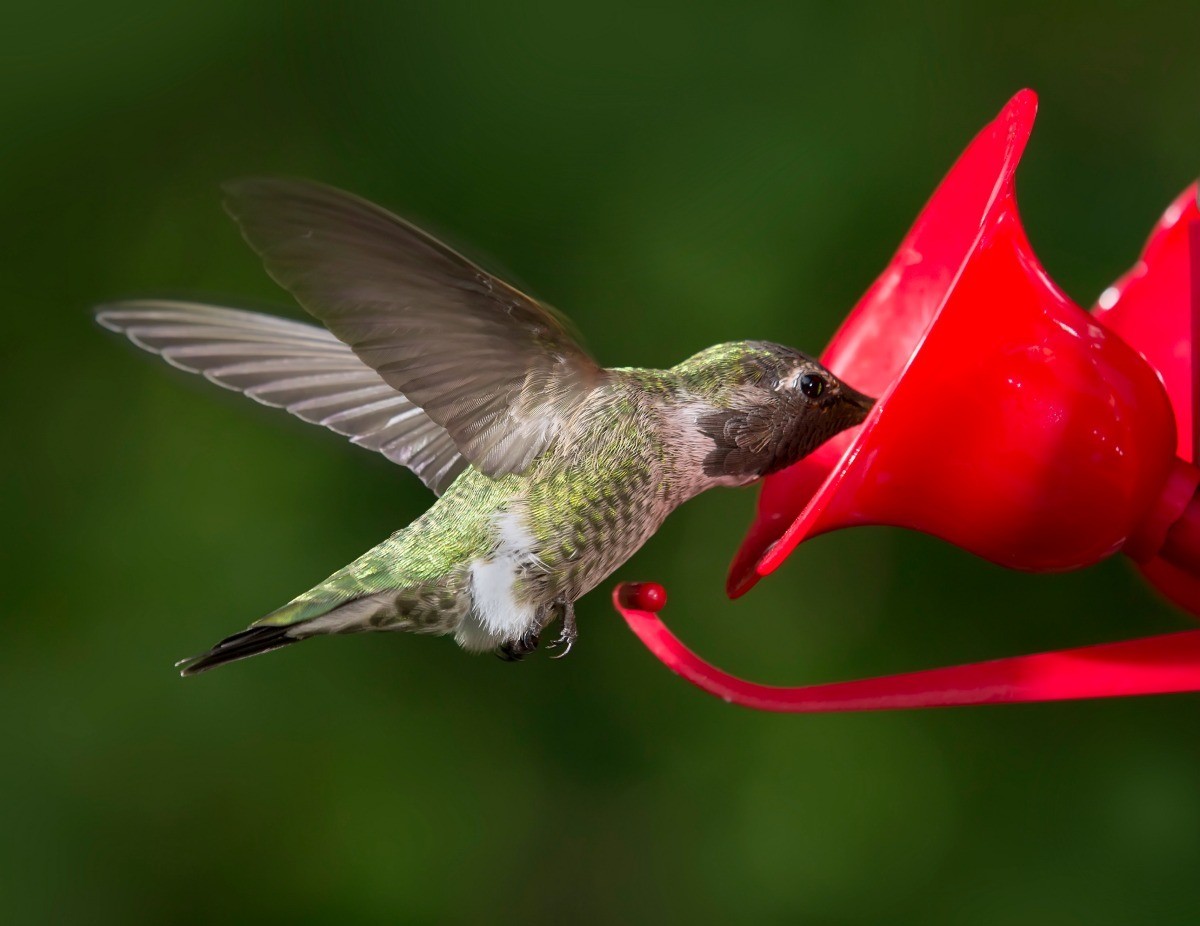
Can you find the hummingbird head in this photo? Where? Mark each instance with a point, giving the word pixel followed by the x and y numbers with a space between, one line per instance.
pixel 764 406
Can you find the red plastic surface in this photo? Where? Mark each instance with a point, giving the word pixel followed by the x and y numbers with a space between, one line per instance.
pixel 1155 307
pixel 1153 665
pixel 1009 423
pixel 642 596
pixel 1151 308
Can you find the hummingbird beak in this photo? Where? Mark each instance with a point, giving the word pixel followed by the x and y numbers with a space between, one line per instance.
pixel 861 404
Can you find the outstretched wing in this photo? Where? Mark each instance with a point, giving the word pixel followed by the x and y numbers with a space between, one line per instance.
pixel 495 368
pixel 292 365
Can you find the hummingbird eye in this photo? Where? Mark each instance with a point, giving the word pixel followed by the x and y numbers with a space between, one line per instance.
pixel 812 385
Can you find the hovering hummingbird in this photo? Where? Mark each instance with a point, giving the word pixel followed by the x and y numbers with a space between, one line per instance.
pixel 551 470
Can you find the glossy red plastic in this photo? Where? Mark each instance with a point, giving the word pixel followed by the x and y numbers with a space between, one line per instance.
pixel 1153 665
pixel 1155 308
pixel 1151 307
pixel 642 596
pixel 1009 423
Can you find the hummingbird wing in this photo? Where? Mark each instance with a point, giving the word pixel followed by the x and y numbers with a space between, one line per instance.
pixel 295 366
pixel 495 368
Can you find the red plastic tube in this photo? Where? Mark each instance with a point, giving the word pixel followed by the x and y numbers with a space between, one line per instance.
pixel 1164 664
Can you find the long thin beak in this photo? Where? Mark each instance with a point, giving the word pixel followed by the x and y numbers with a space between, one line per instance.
pixel 860 402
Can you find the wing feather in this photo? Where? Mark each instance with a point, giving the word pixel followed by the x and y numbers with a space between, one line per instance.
pixel 298 367
pixel 498 370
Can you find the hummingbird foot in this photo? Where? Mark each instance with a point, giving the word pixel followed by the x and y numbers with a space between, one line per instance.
pixel 569 632
pixel 518 649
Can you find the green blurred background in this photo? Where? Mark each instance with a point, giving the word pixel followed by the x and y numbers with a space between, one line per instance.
pixel 671 177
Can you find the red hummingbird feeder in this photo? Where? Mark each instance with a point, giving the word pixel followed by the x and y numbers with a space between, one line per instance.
pixel 1074 440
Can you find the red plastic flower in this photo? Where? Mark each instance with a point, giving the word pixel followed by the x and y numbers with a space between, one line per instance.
pixel 1060 412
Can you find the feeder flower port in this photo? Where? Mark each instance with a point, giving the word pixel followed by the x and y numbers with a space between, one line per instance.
pixel 1078 442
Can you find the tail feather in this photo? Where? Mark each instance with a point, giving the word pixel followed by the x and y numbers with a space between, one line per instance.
pixel 258 639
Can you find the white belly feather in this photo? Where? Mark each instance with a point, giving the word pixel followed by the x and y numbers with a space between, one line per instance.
pixel 496 616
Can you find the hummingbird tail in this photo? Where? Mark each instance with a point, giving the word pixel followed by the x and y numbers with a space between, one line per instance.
pixel 312 614
pixel 259 639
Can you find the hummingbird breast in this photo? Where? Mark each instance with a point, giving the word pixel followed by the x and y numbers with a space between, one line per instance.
pixel 603 490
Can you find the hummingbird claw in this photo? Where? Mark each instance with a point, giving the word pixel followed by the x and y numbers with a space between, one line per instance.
pixel 569 632
pixel 516 650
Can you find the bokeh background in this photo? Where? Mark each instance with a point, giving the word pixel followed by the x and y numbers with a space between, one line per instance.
pixel 672 175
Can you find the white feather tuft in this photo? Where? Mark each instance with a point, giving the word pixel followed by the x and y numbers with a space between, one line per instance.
pixel 496 615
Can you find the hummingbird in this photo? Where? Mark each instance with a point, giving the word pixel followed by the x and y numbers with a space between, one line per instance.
pixel 550 470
